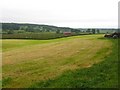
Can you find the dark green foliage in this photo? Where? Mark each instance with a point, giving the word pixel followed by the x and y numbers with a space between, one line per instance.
pixel 58 31
pixel 20 31
pixel 93 31
pixel 34 31
pixel 10 31
pixel 30 35
pixel 98 31
pixel 41 36
pixel 88 30
pixel 6 81
pixel 10 26
pixel 102 75
pixel 23 31
pixel 33 27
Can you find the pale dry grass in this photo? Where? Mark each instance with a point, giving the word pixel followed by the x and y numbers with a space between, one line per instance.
pixel 28 65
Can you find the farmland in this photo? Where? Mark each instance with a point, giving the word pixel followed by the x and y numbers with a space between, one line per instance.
pixel 64 62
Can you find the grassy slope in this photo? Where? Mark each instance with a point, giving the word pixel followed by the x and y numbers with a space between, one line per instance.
pixel 102 75
pixel 45 59
pixel 18 43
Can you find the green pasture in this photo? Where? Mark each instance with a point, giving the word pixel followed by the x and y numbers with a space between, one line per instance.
pixel 77 61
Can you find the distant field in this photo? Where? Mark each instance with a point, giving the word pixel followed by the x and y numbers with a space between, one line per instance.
pixel 28 63
pixel 38 36
pixel 30 35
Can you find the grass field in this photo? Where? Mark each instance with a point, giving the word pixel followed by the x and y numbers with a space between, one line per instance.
pixel 65 62
pixel 40 36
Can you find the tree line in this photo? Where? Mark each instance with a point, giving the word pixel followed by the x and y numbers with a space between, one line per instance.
pixel 10 28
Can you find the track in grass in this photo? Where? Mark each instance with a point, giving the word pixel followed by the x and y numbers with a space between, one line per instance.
pixel 26 62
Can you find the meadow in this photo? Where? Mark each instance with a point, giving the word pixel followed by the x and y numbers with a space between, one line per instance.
pixel 77 61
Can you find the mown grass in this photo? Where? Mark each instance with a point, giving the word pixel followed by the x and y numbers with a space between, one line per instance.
pixel 9 44
pixel 102 75
pixel 51 61
pixel 17 43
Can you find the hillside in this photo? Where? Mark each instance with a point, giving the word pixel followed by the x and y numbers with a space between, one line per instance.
pixel 35 31
pixel 35 28
pixel 21 28
pixel 45 32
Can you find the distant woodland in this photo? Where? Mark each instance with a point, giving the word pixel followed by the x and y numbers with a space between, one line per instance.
pixel 36 31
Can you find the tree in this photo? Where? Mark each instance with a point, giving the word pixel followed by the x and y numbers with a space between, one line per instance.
pixel 58 31
pixel 10 32
pixel 47 30
pixel 88 30
pixel 98 31
pixel 93 31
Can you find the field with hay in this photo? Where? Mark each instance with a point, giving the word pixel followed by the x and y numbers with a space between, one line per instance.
pixel 77 61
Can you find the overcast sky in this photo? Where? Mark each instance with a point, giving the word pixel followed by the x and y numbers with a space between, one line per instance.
pixel 65 13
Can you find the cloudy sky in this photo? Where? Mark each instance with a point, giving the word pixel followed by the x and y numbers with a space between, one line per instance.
pixel 65 13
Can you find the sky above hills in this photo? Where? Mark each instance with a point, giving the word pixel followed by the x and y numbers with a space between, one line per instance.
pixel 65 13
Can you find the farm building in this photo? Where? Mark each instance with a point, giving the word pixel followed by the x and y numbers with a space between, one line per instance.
pixel 67 33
